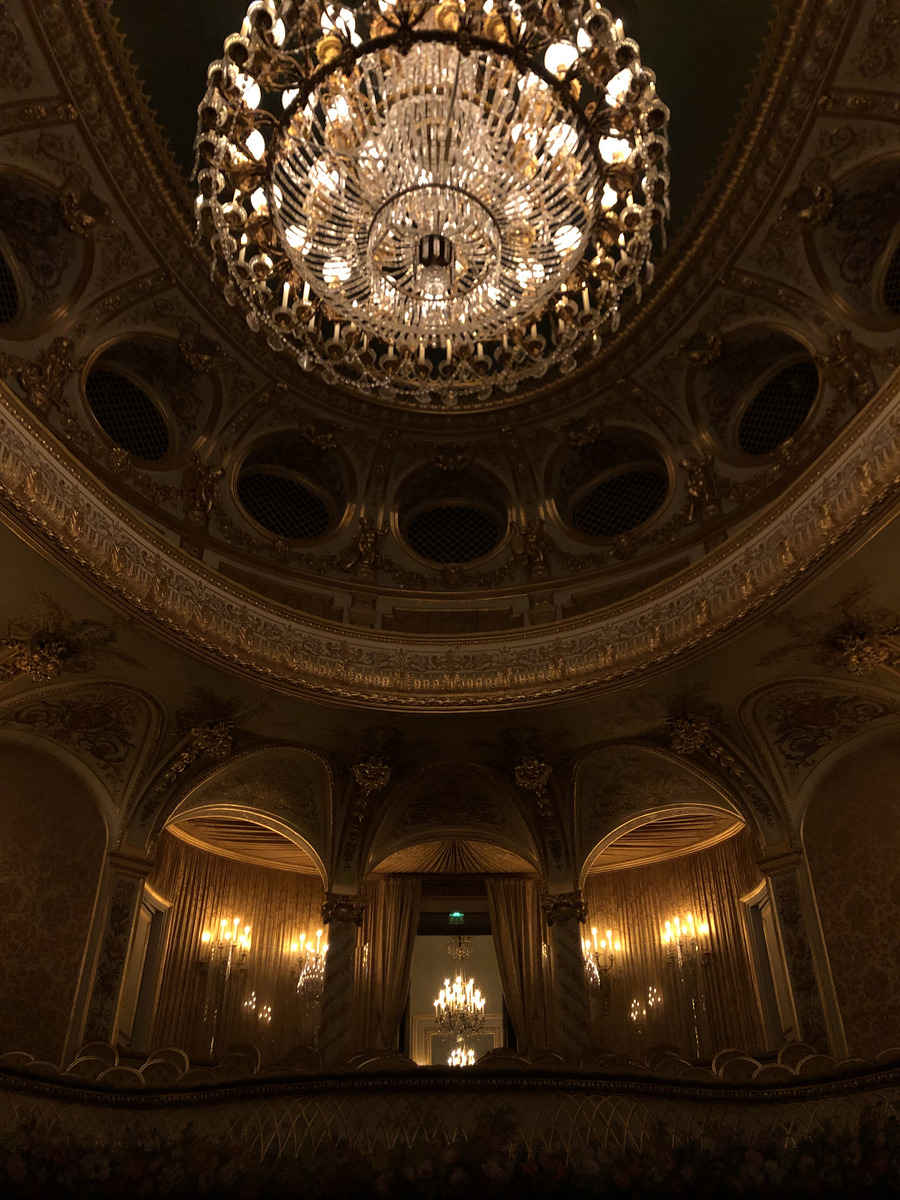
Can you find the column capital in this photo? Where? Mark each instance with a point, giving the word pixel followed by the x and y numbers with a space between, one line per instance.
pixel 565 906
pixel 338 907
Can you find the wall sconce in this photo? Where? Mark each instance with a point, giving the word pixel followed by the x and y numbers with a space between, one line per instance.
pixel 599 962
pixel 686 942
pixel 231 942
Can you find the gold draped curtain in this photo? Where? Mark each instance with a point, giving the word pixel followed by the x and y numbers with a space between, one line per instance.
pixel 389 934
pixel 699 1009
pixel 279 905
pixel 520 938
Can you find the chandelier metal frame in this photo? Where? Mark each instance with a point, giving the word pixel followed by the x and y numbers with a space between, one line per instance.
pixel 429 199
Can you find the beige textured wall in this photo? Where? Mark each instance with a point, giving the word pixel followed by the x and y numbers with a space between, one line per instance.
pixel 52 845
pixel 852 839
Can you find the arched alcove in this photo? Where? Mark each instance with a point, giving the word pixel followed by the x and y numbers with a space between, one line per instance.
pixel 667 941
pixel 244 899
pixel 632 783
pixel 286 788
pixel 453 802
pixel 851 834
pixel 52 847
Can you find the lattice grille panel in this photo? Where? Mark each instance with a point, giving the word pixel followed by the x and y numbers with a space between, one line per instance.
pixel 125 411
pixel 890 291
pixel 9 293
pixel 453 533
pixel 283 505
pixel 620 502
pixel 779 408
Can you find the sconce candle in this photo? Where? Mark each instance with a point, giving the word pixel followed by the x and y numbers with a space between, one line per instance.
pixel 686 940
pixel 231 941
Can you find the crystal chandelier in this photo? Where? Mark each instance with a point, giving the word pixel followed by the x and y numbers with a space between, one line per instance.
pixel 310 969
pixel 428 199
pixel 459 1008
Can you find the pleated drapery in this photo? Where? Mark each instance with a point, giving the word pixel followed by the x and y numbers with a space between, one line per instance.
pixel 389 934
pixel 520 940
pixel 699 1009
pixel 279 905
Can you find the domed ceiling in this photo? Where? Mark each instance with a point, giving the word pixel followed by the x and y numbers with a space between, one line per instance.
pixel 524 547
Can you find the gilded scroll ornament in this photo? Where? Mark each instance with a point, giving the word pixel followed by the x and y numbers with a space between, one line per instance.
pixel 364 557
pixel 213 741
pixel 864 653
pixel 567 906
pixel 43 378
pixel 348 909
pixel 371 774
pixel 533 775
pixel 39 658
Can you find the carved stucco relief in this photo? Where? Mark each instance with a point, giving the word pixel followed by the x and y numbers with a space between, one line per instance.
pixel 619 782
pixel 107 726
pixel 801 722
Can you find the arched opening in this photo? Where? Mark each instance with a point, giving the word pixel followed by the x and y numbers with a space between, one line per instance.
pixel 241 896
pixel 453 934
pixel 852 839
pixel 668 948
pixel 52 845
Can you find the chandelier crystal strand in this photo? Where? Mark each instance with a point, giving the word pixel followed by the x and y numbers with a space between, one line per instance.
pixel 310 969
pixel 428 199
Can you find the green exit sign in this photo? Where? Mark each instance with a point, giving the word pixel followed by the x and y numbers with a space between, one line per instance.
pixel 457 918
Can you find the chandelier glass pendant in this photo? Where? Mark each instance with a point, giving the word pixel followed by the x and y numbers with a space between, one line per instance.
pixel 427 199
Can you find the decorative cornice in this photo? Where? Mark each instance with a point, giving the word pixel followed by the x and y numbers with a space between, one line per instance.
pixel 47 490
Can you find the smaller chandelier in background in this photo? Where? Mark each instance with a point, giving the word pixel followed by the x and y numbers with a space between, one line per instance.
pixel 430 199
pixel 459 1008
pixel 461 1055
pixel 643 1011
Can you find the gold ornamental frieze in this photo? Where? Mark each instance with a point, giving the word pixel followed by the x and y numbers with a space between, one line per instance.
pixel 41 487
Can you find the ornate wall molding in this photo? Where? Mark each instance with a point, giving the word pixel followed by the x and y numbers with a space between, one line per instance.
pixel 815 518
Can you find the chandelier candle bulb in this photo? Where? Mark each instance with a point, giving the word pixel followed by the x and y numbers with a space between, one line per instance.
pixel 436 172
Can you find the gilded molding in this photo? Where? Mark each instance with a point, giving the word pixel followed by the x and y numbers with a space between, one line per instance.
pixel 43 486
